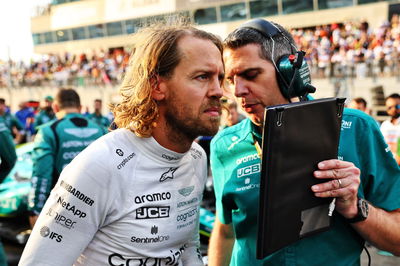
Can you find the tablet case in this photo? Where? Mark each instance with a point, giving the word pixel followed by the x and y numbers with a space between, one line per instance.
pixel 296 137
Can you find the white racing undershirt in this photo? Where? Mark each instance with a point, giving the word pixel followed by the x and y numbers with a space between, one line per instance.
pixel 124 200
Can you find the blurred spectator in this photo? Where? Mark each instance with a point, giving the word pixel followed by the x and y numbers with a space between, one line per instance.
pixel 16 128
pixel 26 116
pixel 233 116
pixel 46 113
pixel 359 103
pixel 97 117
pixel 391 128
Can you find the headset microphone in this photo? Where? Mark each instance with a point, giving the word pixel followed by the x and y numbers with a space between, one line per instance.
pixel 293 74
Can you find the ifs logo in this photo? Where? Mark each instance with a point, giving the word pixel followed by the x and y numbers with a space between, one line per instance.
pixel 45 232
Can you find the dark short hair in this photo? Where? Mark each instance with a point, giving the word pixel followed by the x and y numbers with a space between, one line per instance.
pixel 360 100
pixel 98 100
pixel 244 36
pixel 2 101
pixel 393 96
pixel 66 98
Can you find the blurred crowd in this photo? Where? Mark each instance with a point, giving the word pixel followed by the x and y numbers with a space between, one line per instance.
pixel 103 68
pixel 351 49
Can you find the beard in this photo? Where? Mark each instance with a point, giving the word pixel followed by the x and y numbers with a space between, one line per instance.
pixel 184 123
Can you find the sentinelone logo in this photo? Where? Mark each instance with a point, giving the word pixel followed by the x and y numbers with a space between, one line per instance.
pixel 77 193
pixel 125 160
pixel 149 240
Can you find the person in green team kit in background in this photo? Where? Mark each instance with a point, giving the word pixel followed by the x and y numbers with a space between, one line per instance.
pixel 251 56
pixel 97 117
pixel 8 158
pixel 46 113
pixel 56 144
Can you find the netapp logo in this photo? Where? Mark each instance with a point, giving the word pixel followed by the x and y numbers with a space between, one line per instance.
pixel 119 152
pixel 125 160
pixel 45 232
pixel 169 157
pixel 152 212
pixel 186 191
pixel 153 197
pixel 71 208
pixel 77 193
pixel 184 216
pixel 169 174
pixel 248 170
pixel 61 219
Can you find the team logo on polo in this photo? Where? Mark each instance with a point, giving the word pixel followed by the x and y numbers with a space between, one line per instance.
pixel 154 212
pixel 196 154
pixel 119 152
pixel 186 191
pixel 47 233
pixel 169 174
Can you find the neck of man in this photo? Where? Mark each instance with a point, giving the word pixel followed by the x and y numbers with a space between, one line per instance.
pixel 68 110
pixel 170 138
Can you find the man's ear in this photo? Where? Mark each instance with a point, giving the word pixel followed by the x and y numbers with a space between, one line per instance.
pixel 160 87
pixel 56 108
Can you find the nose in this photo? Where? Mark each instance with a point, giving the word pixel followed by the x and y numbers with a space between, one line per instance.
pixel 240 87
pixel 215 89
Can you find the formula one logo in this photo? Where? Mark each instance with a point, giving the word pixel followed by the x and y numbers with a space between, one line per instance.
pixel 119 152
pixel 152 212
pixel 45 232
pixel 186 191
pixel 169 174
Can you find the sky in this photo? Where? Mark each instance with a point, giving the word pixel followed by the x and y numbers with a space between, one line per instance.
pixel 15 29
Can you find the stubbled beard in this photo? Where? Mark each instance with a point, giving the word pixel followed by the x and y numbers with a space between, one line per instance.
pixel 184 125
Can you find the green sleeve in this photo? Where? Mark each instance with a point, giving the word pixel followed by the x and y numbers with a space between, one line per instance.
pixel 379 169
pixel 43 167
pixel 7 152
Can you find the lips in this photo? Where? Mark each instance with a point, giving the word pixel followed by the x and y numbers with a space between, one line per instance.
pixel 213 111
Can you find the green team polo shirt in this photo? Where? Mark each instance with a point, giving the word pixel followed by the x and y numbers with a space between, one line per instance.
pixel 236 170
pixel 99 119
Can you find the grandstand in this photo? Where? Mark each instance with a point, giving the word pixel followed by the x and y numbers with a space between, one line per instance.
pixel 88 25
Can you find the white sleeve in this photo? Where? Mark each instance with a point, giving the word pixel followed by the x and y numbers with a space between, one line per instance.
pixel 75 209
pixel 192 255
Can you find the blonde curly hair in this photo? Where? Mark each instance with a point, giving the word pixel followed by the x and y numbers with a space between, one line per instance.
pixel 155 53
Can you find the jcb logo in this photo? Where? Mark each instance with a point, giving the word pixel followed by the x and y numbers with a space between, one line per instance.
pixel 248 170
pixel 152 212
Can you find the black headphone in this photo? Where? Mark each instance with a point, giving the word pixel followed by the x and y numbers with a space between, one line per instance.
pixel 293 73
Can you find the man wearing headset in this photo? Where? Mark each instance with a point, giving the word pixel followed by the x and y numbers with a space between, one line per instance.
pixel 365 180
